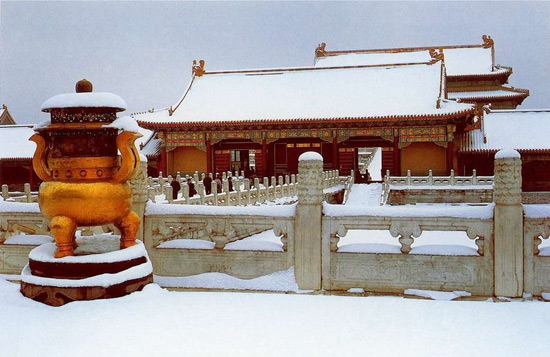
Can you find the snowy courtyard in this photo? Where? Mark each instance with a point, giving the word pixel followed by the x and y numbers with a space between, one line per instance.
pixel 157 322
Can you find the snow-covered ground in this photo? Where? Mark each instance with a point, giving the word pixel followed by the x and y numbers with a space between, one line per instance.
pixel 157 322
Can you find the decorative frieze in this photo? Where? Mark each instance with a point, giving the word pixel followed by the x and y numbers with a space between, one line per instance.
pixel 175 139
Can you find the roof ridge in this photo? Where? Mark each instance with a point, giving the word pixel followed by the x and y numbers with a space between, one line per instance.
pixel 321 52
pixel 310 68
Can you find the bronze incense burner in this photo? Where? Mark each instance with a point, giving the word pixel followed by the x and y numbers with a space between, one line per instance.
pixel 85 180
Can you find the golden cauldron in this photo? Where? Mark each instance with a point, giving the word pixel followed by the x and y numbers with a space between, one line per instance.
pixel 84 177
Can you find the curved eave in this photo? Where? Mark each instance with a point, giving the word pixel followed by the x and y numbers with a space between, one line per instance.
pixel 500 75
pixel 497 98
pixel 281 121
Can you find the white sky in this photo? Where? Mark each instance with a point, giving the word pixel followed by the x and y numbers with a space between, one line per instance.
pixel 143 51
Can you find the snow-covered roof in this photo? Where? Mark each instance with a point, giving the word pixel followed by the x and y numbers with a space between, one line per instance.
pixel 459 60
pixel 84 99
pixel 152 148
pixel 302 94
pixel 504 93
pixel 14 142
pixel 510 129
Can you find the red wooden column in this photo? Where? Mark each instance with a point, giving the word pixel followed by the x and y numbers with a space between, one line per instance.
pixel 162 165
pixel 450 157
pixel 209 158
pixel 396 157
pixel 266 169
pixel 335 162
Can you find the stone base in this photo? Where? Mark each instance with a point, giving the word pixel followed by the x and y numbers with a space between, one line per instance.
pixel 99 270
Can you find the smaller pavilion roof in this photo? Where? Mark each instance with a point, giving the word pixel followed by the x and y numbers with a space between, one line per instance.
pixel 152 148
pixel 5 116
pixel 502 93
pixel 310 94
pixel 460 60
pixel 524 130
pixel 15 142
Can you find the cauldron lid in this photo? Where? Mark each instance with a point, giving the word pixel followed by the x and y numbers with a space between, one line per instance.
pixel 84 98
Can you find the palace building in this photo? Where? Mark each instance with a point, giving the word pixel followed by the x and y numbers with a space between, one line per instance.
pixel 415 105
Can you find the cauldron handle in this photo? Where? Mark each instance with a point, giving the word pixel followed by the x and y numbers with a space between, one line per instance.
pixel 39 158
pixel 130 156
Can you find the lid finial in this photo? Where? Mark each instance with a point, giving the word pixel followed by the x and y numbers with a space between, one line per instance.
pixel 83 86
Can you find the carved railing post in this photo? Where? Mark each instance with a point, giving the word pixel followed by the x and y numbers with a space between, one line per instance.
pixel 307 231
pixel 508 222
pixel 140 194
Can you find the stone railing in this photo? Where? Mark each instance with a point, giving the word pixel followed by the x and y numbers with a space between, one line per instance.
pixel 166 230
pixel 423 183
pixel 375 271
pixel 26 196
pixel 16 219
pixel 244 191
pixel 507 261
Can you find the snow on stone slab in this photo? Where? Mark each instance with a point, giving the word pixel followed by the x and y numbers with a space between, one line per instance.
pixel 264 241
pixel 277 281
pixel 125 123
pixel 85 99
pixel 536 210
pixel 544 251
pixel 455 250
pixel 421 210
pixel 18 207
pixel 365 195
pixel 267 210
pixel 451 243
pixel 546 296
pixel 333 189
pixel 378 248
pixel 88 249
pixel 187 244
pixel 28 239
pixel 437 295
pixel 310 156
pixel 441 187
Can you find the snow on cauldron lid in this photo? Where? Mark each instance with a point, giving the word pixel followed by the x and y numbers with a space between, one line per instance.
pixel 84 105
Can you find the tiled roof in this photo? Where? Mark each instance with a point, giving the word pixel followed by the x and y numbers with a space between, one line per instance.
pixel 510 129
pixel 152 148
pixel 310 94
pixel 14 142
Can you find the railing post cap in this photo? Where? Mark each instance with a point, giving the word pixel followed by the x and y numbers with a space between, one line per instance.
pixel 507 154
pixel 310 156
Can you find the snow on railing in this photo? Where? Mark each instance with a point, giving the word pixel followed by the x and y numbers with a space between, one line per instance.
pixel 241 191
pixel 430 181
pixel 26 196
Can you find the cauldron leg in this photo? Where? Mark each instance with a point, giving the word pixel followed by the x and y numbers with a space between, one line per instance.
pixel 63 229
pixel 128 227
